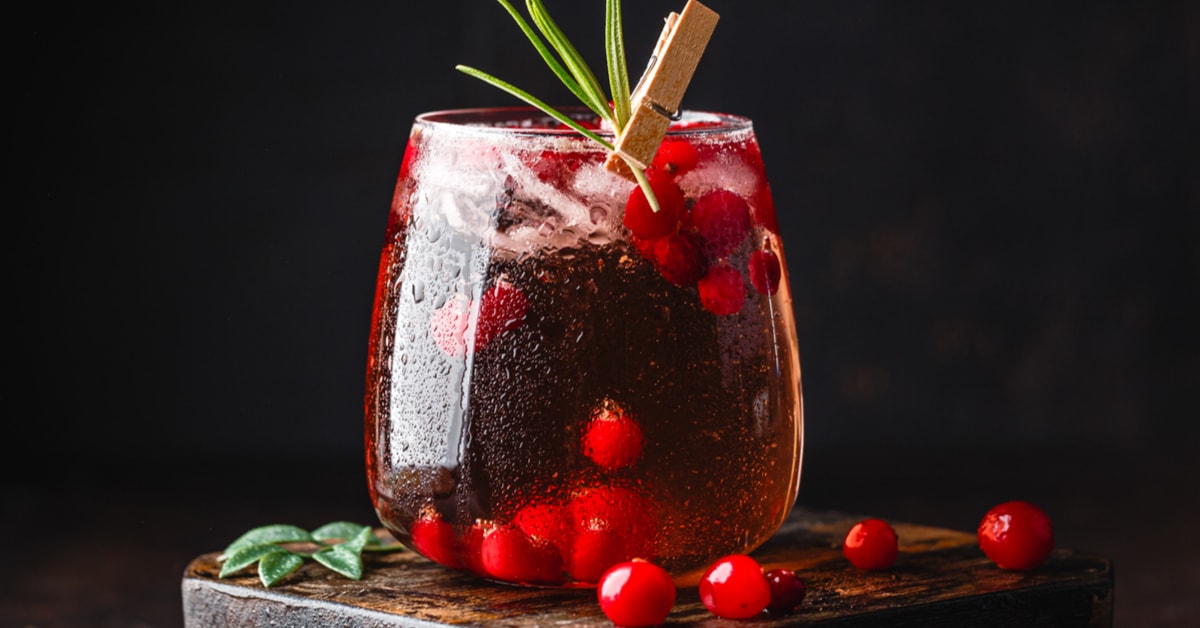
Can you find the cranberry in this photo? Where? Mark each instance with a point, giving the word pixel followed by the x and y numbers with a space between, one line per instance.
pixel 435 540
pixel 636 593
pixel 502 308
pixel 507 553
pixel 765 271
pixel 1016 535
pixel 734 587
pixel 680 258
pixel 722 218
pixel 643 221
pixel 612 439
pixel 546 521
pixel 471 543
pixel 675 156
pixel 871 544
pixel 610 525
pixel 722 290
pixel 449 326
pixel 787 590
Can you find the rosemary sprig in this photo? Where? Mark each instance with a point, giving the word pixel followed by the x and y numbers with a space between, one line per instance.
pixel 569 66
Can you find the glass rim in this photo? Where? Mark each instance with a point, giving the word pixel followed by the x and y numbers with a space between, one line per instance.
pixel 525 120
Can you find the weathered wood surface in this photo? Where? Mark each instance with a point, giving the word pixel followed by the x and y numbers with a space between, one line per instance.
pixel 940 579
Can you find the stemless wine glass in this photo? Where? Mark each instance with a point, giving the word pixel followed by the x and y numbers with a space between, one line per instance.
pixel 561 378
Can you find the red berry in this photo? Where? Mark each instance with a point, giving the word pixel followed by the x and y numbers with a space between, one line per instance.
pixel 434 539
pixel 722 290
pixel 734 587
pixel 636 593
pixel 722 218
pixel 676 156
pixel 643 221
pixel 680 258
pixel 546 521
pixel 502 308
pixel 787 590
pixel 556 167
pixel 610 525
pixel 509 554
pixel 871 544
pixel 449 326
pixel 765 271
pixel 471 543
pixel 1016 535
pixel 612 439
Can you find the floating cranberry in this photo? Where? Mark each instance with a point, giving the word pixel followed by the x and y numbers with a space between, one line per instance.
pixel 680 258
pixel 502 308
pixel 508 554
pixel 787 591
pixel 1016 535
pixel 871 545
pixel 643 221
pixel 435 540
pixel 636 594
pixel 734 587
pixel 722 218
pixel 676 156
pixel 546 521
pixel 471 543
pixel 612 438
pixel 449 326
pixel 610 525
pixel 722 290
pixel 765 271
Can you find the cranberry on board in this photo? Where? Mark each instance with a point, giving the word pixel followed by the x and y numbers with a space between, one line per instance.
pixel 871 544
pixel 636 593
pixel 787 591
pixel 734 587
pixel 1016 535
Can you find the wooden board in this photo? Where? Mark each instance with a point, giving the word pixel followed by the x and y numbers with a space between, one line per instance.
pixel 940 579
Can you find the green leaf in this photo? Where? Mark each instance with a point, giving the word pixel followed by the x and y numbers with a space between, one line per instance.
pixel 245 556
pixel 618 72
pixel 523 95
pixel 268 534
pixel 342 560
pixel 277 565
pixel 342 530
pixel 570 57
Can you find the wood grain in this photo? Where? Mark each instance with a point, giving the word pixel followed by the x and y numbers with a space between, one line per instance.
pixel 940 579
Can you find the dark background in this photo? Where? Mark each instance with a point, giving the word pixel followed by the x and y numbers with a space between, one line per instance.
pixel 990 212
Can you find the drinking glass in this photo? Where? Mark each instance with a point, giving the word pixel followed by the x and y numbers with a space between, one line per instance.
pixel 552 386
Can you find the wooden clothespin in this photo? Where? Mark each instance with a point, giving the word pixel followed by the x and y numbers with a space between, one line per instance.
pixel 659 93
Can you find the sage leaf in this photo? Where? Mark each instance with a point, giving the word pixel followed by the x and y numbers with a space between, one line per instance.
pixel 343 530
pixel 342 560
pixel 245 557
pixel 277 565
pixel 278 533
